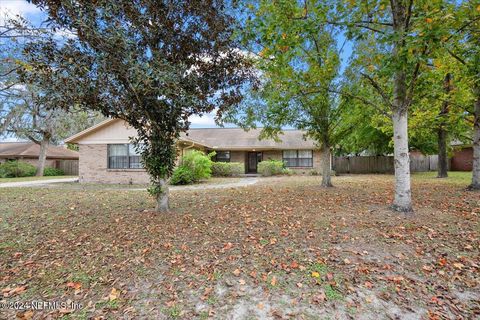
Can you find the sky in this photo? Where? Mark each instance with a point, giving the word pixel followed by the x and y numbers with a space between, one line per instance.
pixel 36 17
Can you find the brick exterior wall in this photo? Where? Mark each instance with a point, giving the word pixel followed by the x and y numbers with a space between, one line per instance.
pixel 241 156
pixel 462 160
pixel 93 165
pixel 93 168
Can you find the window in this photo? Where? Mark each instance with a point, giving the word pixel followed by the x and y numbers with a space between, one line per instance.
pixel 123 156
pixel 222 156
pixel 298 158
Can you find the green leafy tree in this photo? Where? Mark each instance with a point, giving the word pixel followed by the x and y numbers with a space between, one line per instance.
pixel 298 62
pixel 463 44
pixel 150 63
pixel 27 112
pixel 14 32
pixel 402 33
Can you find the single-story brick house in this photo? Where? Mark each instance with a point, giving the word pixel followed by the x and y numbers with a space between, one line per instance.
pixel 106 156
pixel 29 152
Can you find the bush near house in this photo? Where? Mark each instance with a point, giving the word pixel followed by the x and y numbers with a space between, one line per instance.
pixel 49 171
pixel 271 168
pixel 181 175
pixel 15 169
pixel 194 167
pixel 227 169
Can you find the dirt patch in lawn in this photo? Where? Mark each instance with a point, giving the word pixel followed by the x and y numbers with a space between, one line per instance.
pixel 283 248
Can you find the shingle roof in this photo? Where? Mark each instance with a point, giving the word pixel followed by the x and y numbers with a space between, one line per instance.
pixel 32 150
pixel 237 138
pixel 224 138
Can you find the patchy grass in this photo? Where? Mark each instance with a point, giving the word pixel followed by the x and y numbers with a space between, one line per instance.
pixel 112 186
pixel 23 179
pixel 454 177
pixel 284 248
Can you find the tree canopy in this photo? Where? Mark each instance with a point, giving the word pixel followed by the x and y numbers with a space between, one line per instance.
pixel 150 63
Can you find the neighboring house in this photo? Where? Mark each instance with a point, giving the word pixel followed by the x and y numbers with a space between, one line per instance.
pixel 29 152
pixel 107 157
pixel 462 158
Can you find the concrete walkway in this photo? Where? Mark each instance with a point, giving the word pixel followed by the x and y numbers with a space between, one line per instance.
pixel 35 183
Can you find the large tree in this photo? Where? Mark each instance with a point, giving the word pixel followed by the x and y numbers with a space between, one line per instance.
pixel 15 31
pixel 405 32
pixel 33 118
pixel 152 64
pixel 463 44
pixel 298 61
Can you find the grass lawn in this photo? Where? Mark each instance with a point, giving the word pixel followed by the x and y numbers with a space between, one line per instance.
pixel 455 177
pixel 104 186
pixel 22 179
pixel 281 249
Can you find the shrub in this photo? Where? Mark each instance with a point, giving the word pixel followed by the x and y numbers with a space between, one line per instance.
pixel 194 167
pixel 49 171
pixel 270 167
pixel 13 169
pixel 181 175
pixel 227 169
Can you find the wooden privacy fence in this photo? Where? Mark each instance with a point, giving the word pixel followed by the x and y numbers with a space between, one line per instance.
pixel 70 167
pixel 382 164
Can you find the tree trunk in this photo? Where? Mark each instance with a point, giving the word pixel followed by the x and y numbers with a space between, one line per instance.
pixel 403 196
pixel 326 167
pixel 162 197
pixel 442 170
pixel 476 141
pixel 42 156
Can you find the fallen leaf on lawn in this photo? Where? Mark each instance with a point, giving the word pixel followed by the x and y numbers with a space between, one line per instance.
pixel 273 282
pixel 458 265
pixel 228 246
pixel 346 261
pixel 273 241
pixel 207 291
pixel 114 294
pixel 242 282
pixel 8 292
pixel 442 262
pixel 320 297
pixel 74 285
pixel 260 306
pixel 315 274
pixel 237 272
pixel 27 315
pixel 299 285
pixel 427 268
pixel 368 284
pixel 396 279
pixel 294 265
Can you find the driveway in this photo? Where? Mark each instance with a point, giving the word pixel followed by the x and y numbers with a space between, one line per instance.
pixel 35 183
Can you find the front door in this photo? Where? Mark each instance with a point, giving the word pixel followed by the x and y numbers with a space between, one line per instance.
pixel 253 158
